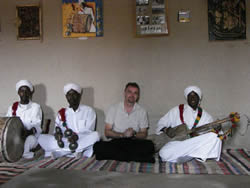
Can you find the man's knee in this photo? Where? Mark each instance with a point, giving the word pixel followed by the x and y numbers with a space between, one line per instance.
pixel 45 139
pixel 31 140
pixel 95 137
pixel 162 153
pixel 90 138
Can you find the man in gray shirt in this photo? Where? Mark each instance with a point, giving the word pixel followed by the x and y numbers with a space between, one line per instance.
pixel 126 124
pixel 128 118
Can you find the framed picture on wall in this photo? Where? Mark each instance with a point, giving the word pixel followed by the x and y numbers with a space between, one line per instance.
pixel 226 20
pixel 82 18
pixel 151 18
pixel 29 25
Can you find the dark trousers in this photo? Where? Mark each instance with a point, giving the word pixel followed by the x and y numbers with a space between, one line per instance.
pixel 125 149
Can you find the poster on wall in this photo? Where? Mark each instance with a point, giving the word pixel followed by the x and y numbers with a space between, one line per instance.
pixel 151 18
pixel 82 18
pixel 226 19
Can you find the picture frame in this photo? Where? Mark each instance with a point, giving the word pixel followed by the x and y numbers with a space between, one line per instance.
pixel 82 18
pixel 184 16
pixel 29 26
pixel 151 18
pixel 226 20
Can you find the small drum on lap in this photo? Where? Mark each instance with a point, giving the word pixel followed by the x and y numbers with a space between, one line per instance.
pixel 12 140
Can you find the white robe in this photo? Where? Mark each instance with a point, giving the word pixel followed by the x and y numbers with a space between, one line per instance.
pixel 202 147
pixel 82 122
pixel 31 116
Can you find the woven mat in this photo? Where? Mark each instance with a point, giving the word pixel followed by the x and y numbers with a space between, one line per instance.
pixel 232 162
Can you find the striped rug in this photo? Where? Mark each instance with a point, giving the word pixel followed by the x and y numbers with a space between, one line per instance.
pixel 9 171
pixel 233 162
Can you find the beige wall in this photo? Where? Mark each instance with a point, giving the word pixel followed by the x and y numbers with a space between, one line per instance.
pixel 163 66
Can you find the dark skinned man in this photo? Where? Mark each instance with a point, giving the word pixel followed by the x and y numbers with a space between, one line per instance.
pixel 205 146
pixel 30 114
pixel 74 133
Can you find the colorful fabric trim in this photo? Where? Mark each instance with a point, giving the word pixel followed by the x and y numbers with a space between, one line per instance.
pixel 63 117
pixel 14 108
pixel 64 124
pixel 198 117
pixel 181 109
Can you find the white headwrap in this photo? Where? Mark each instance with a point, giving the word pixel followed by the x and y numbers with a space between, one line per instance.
pixel 195 89
pixel 73 86
pixel 24 83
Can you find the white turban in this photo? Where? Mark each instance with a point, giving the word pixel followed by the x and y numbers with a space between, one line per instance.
pixel 24 83
pixel 195 89
pixel 73 86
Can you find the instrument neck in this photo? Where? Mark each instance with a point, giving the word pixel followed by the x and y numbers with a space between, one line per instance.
pixel 211 124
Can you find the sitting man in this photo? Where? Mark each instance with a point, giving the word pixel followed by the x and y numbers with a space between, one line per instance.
pixel 74 128
pixel 30 114
pixel 127 126
pixel 201 147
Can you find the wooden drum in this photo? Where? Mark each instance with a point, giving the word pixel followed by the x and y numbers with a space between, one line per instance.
pixel 12 139
pixel 82 23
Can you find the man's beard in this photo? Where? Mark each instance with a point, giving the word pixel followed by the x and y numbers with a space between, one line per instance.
pixel 131 100
pixel 25 100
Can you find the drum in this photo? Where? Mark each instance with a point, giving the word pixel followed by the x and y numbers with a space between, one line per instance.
pixel 12 140
pixel 81 23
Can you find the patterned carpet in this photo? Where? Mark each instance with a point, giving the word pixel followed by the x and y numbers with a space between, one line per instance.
pixel 233 162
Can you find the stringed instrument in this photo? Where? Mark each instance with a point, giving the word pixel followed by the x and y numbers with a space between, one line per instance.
pixel 182 132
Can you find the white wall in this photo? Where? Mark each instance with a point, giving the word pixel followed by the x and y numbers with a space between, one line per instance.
pixel 163 66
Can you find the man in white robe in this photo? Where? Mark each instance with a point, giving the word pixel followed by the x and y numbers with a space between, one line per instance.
pixel 78 118
pixel 206 146
pixel 30 114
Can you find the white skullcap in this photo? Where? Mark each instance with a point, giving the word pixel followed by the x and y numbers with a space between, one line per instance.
pixel 24 83
pixel 195 89
pixel 73 86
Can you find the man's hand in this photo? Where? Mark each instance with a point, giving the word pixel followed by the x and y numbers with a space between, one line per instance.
pixel 129 132
pixel 170 132
pixel 58 136
pixel 27 133
pixel 217 127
